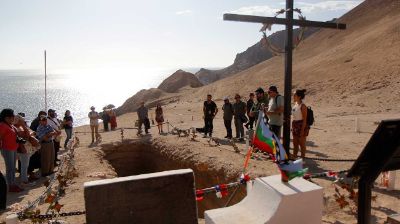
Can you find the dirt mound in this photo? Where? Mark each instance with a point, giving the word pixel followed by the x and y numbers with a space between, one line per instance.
pixel 178 80
pixel 146 95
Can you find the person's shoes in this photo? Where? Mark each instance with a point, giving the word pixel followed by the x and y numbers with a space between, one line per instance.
pixel 204 136
pixel 226 136
pixel 241 139
pixel 229 137
pixel 15 189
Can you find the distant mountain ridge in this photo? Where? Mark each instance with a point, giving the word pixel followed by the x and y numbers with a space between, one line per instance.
pixel 178 80
pixel 246 59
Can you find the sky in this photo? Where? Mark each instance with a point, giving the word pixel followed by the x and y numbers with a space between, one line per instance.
pixel 130 34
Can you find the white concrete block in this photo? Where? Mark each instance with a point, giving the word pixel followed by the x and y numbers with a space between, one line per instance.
pixel 273 201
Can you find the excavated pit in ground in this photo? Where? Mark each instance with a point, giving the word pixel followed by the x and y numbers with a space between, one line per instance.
pixel 140 158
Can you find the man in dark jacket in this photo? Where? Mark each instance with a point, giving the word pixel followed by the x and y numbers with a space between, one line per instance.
pixel 249 105
pixel 228 115
pixel 35 122
pixel 210 110
pixel 106 118
pixel 239 112
pixel 143 116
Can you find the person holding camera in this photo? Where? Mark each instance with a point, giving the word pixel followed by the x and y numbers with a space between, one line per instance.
pixel 9 145
pixel 46 134
pixel 27 146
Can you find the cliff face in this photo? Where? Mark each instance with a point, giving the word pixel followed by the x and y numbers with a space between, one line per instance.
pixel 252 56
pixel 178 80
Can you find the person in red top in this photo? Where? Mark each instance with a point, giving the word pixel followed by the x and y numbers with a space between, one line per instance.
pixel 9 145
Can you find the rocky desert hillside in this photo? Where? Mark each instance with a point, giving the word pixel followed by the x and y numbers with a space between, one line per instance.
pixel 178 80
pixel 356 70
pixel 252 56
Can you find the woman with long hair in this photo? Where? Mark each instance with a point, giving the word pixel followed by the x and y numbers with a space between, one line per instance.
pixel 300 128
pixel 159 118
pixel 9 145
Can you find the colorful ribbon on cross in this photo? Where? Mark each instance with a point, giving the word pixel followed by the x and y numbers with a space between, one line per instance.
pixel 265 140
pixel 221 190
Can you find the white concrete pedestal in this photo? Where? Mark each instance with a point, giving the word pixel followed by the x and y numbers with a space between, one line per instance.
pixel 273 201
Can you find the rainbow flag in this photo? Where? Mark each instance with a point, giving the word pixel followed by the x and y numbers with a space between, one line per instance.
pixel 265 140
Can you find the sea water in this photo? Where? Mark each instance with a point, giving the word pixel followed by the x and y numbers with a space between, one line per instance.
pixel 24 90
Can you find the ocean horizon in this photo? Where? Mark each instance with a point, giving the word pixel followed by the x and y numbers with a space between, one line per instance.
pixel 75 90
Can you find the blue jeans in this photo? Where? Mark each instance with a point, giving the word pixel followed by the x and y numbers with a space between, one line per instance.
pixel 9 159
pixel 24 158
pixel 68 131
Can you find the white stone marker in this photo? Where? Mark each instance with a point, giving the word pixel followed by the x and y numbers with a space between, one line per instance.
pixel 273 201
pixel 164 197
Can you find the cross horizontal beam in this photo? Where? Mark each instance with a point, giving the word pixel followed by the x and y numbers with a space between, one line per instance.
pixel 274 20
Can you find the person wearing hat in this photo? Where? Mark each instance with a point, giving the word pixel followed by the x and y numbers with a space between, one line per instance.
pixel 9 146
pixel 261 104
pixel 53 122
pixel 94 122
pixel 249 105
pixel 275 110
pixel 210 110
pixel 46 134
pixel 239 112
pixel 227 108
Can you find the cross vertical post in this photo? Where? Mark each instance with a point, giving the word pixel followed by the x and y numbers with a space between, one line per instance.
pixel 288 76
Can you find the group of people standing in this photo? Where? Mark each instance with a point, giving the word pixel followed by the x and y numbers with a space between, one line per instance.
pixel 109 116
pixel 143 118
pixel 245 114
pixel 35 147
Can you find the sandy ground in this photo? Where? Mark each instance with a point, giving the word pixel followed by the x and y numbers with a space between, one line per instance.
pixel 333 136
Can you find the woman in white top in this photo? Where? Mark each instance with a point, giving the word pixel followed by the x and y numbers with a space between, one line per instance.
pixel 300 128
pixel 94 122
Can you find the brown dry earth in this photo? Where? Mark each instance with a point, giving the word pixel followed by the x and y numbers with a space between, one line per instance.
pixel 331 137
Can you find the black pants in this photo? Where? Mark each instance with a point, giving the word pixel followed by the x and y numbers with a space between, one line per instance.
pixel 250 123
pixel 56 150
pixel 228 126
pixel 105 124
pixel 276 129
pixel 3 192
pixel 146 126
pixel 208 125
pixel 34 162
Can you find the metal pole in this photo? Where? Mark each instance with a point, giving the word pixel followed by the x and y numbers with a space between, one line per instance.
pixel 288 75
pixel 364 202
pixel 45 82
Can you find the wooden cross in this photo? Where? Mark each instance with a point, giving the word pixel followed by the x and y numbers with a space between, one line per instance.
pixel 289 22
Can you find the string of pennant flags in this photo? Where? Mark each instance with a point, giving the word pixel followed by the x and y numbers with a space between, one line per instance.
pixel 221 190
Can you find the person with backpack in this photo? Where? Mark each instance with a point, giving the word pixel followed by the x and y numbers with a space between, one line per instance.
pixel 275 111
pixel 300 128
pixel 227 108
